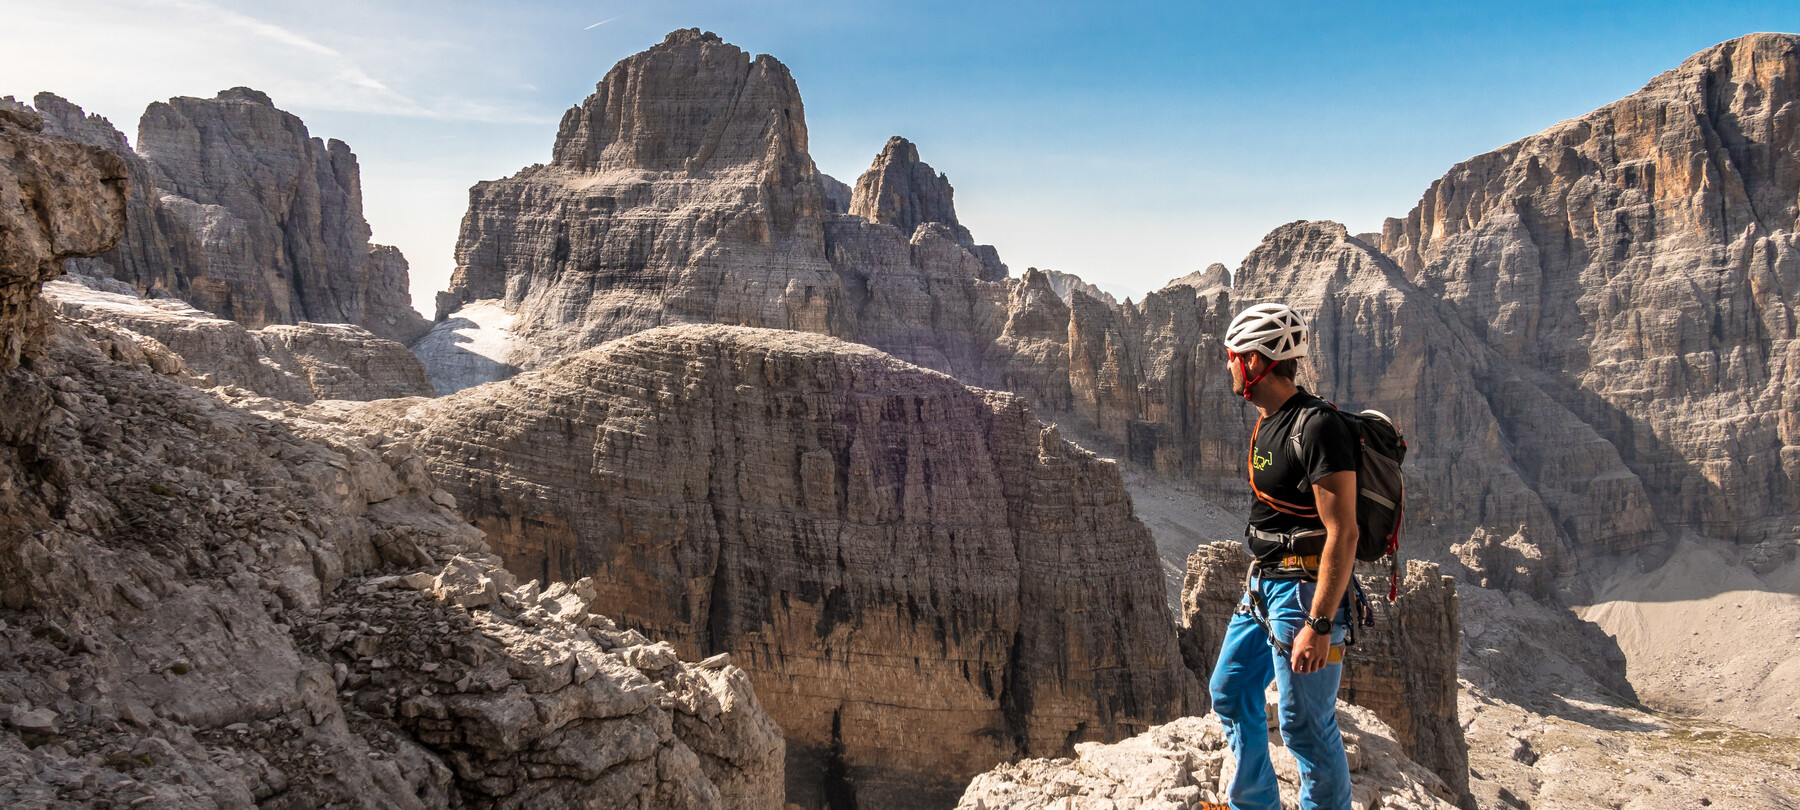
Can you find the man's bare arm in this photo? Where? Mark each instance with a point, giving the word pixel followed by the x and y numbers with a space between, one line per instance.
pixel 1335 495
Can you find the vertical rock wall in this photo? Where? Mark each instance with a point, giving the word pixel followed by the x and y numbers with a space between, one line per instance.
pixel 1643 256
pixel 921 579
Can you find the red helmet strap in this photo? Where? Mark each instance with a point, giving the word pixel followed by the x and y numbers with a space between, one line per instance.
pixel 1244 369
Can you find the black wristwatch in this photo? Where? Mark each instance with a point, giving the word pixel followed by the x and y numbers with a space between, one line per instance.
pixel 1319 624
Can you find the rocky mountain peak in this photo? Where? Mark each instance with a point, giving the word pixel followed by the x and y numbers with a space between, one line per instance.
pixel 245 94
pixel 63 117
pixel 1647 246
pixel 683 36
pixel 1291 245
pixel 692 103
pixel 238 209
pixel 1067 284
pixel 1214 278
pixel 901 190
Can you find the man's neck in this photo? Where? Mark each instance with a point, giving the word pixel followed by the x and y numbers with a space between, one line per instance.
pixel 1271 393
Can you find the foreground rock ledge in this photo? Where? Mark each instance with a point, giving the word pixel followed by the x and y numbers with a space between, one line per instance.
pixel 921 578
pixel 1187 764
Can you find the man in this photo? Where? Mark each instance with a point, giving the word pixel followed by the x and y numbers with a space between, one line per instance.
pixel 1302 532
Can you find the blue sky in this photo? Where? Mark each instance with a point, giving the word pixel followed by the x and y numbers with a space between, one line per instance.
pixel 1127 142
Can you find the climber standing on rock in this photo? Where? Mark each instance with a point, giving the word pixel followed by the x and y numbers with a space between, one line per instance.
pixel 1290 626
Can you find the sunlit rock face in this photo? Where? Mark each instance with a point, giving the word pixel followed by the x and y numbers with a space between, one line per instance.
pixel 921 579
pixel 1642 259
pixel 681 191
pixel 294 362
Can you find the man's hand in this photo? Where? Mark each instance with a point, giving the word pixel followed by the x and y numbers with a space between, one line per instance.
pixel 1311 651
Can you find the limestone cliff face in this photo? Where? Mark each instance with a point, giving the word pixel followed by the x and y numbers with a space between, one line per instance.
pixel 1146 382
pixel 237 209
pixel 680 191
pixel 58 199
pixel 1494 451
pixel 921 579
pixel 1403 669
pixel 1643 258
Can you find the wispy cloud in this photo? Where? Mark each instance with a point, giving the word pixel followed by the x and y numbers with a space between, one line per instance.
pixel 339 69
pixel 143 49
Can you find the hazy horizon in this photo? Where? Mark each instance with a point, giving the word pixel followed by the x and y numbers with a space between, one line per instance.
pixel 1129 144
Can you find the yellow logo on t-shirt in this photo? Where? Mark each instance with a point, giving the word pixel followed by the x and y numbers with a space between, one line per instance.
pixel 1261 460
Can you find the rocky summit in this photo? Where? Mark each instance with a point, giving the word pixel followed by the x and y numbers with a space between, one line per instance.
pixel 921 579
pixel 679 191
pixel 237 209
pixel 682 192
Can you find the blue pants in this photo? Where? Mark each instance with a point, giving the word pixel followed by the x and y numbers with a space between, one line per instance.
pixel 1247 662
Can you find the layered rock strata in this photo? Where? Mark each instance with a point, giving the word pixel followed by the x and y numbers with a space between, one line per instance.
pixel 1492 453
pixel 904 192
pixel 682 192
pixel 679 191
pixel 1404 669
pixel 1527 450
pixel 1643 257
pixel 237 209
pixel 1187 764
pixel 299 363
pixel 921 579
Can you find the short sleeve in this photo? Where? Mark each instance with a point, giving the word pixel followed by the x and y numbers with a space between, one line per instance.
pixel 1328 445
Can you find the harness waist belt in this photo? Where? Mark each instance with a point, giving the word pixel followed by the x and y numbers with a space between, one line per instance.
pixel 1284 539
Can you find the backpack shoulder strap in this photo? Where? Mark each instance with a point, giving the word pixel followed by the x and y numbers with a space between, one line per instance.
pixel 1312 410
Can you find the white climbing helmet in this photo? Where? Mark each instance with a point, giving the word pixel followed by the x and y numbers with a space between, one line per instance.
pixel 1276 330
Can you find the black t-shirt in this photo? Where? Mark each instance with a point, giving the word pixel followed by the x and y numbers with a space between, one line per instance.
pixel 1284 467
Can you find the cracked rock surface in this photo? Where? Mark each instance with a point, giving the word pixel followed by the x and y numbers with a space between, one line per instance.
pixel 921 579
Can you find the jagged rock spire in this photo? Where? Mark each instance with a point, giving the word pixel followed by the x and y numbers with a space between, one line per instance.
pixel 901 190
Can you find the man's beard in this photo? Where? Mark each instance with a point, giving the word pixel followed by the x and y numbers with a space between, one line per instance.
pixel 1237 377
